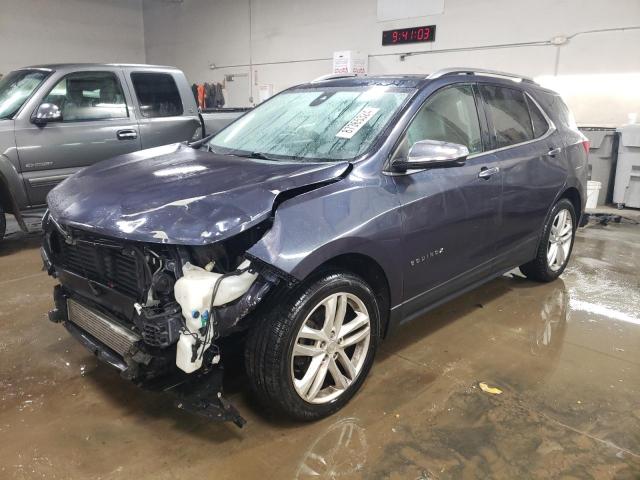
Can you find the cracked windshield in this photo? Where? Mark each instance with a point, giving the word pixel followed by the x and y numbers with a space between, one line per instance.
pixel 317 125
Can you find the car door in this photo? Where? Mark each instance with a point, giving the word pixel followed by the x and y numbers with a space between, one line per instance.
pixel 529 153
pixel 450 215
pixel 96 124
pixel 161 111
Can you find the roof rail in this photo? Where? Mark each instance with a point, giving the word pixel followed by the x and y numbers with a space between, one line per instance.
pixel 331 76
pixel 478 71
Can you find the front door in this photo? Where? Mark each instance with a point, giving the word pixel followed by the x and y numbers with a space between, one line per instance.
pixel 450 215
pixel 96 125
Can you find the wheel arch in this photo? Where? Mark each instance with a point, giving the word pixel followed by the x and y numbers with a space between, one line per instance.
pixel 573 195
pixel 371 272
pixel 12 194
pixel 6 200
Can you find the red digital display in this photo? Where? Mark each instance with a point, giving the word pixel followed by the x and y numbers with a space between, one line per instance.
pixel 409 35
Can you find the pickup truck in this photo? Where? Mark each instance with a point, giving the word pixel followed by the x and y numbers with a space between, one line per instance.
pixel 57 119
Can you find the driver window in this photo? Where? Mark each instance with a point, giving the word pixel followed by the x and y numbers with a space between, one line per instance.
pixel 86 96
pixel 449 115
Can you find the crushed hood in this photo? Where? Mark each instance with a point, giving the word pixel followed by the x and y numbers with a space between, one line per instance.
pixel 176 194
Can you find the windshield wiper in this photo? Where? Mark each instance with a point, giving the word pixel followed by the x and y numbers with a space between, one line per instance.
pixel 202 141
pixel 260 156
pixel 256 155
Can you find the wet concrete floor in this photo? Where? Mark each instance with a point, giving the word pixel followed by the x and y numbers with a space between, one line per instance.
pixel 566 356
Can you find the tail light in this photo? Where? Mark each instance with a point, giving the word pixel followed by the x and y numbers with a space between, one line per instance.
pixel 586 145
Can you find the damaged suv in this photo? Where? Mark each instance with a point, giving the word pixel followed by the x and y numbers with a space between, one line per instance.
pixel 310 227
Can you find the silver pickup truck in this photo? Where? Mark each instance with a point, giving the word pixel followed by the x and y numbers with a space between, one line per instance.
pixel 56 119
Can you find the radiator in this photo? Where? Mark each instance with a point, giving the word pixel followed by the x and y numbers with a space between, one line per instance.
pixel 97 325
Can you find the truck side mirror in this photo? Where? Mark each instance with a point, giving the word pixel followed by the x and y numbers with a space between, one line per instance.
pixel 47 112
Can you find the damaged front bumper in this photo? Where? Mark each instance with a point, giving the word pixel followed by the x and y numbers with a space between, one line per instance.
pixel 153 369
pixel 158 313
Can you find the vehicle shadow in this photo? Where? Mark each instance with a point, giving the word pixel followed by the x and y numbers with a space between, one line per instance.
pixel 427 324
pixel 141 403
pixel 19 241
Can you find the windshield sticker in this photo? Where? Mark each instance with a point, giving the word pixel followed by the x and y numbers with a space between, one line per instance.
pixel 355 124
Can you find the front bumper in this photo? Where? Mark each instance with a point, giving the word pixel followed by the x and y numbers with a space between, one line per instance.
pixel 150 368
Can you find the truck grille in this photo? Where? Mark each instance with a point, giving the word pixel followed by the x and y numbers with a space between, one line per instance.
pixel 115 267
pixel 118 338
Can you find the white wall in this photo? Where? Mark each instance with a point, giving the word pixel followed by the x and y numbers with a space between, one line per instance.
pixel 55 31
pixel 292 41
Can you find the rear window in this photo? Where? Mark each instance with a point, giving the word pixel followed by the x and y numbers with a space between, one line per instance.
pixel 509 114
pixel 157 94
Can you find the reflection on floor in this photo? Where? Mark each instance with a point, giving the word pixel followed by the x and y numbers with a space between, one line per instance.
pixel 566 356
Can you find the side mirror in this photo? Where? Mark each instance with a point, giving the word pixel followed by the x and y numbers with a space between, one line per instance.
pixel 432 154
pixel 47 112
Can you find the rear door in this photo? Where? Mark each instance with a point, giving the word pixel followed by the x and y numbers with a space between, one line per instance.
pixel 96 124
pixel 450 215
pixel 162 114
pixel 529 152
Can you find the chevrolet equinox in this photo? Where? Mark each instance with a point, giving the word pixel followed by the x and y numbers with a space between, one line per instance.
pixel 309 228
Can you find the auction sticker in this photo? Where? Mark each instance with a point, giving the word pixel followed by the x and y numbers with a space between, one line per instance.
pixel 355 124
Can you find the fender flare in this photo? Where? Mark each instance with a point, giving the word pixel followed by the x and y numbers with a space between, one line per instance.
pixel 565 186
pixel 12 190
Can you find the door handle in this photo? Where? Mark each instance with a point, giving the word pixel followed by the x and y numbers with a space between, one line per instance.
pixel 553 152
pixel 487 173
pixel 127 134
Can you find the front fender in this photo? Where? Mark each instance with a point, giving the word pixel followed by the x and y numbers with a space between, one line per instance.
pixel 338 219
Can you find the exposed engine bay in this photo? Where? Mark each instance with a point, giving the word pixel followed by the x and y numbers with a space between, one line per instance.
pixel 154 310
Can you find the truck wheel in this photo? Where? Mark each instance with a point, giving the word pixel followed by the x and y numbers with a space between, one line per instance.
pixel 3 224
pixel 311 352
pixel 555 246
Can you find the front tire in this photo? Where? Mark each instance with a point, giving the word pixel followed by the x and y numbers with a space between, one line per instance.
pixel 555 246
pixel 311 351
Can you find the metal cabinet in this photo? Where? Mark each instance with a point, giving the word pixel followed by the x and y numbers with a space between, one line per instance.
pixel 603 152
pixel 627 185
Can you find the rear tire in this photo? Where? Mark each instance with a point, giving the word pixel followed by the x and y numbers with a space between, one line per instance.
pixel 556 244
pixel 313 347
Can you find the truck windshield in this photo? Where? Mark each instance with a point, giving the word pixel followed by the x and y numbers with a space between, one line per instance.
pixel 16 88
pixel 327 124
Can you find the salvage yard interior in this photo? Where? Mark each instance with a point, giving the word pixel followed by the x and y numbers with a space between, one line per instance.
pixel 284 239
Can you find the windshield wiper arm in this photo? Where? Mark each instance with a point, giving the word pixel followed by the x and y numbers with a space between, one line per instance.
pixel 256 155
pixel 260 156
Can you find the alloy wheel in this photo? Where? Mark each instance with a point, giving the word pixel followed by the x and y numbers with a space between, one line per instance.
pixel 560 238
pixel 330 348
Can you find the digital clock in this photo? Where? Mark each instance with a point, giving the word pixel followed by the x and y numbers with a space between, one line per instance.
pixel 409 35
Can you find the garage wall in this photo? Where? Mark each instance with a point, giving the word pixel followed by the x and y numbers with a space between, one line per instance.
pixel 289 41
pixel 54 31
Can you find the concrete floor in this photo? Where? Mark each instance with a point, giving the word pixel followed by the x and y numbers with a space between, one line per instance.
pixel 566 356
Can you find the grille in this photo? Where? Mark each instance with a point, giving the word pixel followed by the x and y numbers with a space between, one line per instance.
pixel 108 332
pixel 115 267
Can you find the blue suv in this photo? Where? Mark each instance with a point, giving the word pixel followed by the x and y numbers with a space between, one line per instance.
pixel 309 228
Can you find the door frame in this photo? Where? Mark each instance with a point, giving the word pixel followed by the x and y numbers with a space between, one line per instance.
pixel 476 274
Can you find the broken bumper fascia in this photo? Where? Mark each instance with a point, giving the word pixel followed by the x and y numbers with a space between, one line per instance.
pixel 200 394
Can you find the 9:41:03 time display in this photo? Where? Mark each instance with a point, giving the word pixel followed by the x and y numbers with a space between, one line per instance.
pixel 399 36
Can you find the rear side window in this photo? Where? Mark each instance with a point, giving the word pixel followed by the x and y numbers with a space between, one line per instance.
pixel 157 94
pixel 509 114
pixel 88 96
pixel 540 124
pixel 449 115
